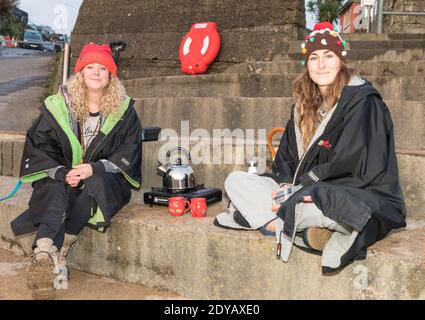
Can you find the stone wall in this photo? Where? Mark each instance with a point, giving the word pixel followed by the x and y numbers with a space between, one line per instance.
pixel 249 30
pixel 404 24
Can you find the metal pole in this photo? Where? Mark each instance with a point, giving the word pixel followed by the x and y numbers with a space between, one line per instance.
pixel 65 61
pixel 369 13
pixel 404 13
pixel 379 16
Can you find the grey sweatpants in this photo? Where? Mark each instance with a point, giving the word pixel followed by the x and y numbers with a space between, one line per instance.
pixel 251 194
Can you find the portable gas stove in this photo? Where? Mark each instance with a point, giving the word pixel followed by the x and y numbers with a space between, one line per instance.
pixel 160 195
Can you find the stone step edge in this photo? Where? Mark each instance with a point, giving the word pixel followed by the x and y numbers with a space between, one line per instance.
pixel 414 152
pixel 239 75
pixel 209 233
pixel 421 102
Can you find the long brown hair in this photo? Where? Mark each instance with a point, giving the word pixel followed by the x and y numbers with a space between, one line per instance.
pixel 308 99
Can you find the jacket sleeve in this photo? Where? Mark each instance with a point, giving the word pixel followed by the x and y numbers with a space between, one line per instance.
pixel 41 151
pixel 128 156
pixel 363 151
pixel 286 157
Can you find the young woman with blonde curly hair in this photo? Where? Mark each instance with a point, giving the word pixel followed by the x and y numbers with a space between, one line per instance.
pixel 82 156
pixel 336 165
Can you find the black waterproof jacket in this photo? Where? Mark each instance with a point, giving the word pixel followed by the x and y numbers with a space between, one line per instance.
pixel 51 142
pixel 353 176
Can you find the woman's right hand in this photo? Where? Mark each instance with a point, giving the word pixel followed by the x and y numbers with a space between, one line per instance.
pixel 73 181
pixel 73 178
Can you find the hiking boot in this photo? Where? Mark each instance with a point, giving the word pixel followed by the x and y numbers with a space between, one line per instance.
pixel 67 243
pixel 40 275
pixel 316 238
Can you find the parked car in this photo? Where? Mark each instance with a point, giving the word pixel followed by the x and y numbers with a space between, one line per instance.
pixel 34 40
pixel 58 41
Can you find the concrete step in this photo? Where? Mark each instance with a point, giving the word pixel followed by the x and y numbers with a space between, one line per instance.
pixel 383 36
pixel 215 154
pixel 371 54
pixel 214 159
pixel 365 68
pixel 405 36
pixel 11 148
pixel 152 68
pixel 212 163
pixel 257 85
pixel 262 113
pixel 146 245
pixel 135 68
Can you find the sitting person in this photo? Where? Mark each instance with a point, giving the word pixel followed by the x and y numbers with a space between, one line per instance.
pixel 337 153
pixel 82 156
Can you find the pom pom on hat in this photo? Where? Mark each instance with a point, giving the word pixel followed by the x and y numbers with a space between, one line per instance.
pixel 94 53
pixel 322 26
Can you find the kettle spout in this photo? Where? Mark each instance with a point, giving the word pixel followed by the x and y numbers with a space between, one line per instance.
pixel 162 170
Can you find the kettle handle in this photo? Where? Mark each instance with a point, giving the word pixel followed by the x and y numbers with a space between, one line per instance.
pixel 185 151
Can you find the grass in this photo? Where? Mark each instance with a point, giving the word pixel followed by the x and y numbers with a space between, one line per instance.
pixel 54 79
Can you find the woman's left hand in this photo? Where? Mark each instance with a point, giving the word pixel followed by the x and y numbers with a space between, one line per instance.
pixel 81 171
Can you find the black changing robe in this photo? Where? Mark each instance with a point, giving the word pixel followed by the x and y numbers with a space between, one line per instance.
pixel 51 142
pixel 353 176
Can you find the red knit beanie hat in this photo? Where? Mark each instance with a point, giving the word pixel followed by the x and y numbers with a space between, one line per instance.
pixel 94 53
pixel 323 36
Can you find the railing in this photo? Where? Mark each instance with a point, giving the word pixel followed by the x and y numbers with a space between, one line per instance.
pixel 381 13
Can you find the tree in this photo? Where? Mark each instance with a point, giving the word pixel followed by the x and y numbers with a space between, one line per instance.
pixel 325 10
pixel 6 7
pixel 9 25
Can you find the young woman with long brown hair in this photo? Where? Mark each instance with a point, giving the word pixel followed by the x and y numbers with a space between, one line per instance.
pixel 82 156
pixel 336 155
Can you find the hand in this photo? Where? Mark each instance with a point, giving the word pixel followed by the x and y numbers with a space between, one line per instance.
pixel 275 206
pixel 78 173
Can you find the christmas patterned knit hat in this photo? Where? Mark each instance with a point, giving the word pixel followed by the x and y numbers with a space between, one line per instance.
pixel 324 36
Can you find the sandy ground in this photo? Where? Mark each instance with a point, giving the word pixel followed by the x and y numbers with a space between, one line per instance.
pixel 82 286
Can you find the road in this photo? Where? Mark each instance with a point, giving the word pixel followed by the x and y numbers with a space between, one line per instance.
pixel 23 76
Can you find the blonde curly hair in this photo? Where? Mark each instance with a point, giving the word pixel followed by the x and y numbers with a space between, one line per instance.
pixel 114 95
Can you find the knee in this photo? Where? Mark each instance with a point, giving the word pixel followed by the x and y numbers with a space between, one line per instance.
pixel 98 179
pixel 234 179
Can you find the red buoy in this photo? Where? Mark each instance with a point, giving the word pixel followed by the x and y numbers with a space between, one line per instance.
pixel 199 48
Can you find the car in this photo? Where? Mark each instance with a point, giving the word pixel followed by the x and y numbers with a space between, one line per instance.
pixel 34 40
pixel 57 40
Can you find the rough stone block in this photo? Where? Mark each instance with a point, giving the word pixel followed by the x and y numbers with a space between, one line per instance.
pixel 18 148
pixel 1 158
pixel 7 157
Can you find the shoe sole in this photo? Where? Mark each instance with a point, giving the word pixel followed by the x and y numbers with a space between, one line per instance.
pixel 44 294
pixel 316 238
pixel 40 278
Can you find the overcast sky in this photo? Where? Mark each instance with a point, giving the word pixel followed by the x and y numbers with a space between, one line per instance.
pixel 61 14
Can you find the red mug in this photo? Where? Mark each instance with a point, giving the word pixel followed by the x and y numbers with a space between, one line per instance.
pixel 198 206
pixel 178 206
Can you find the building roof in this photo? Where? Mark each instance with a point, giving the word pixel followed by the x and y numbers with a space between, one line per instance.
pixel 347 5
